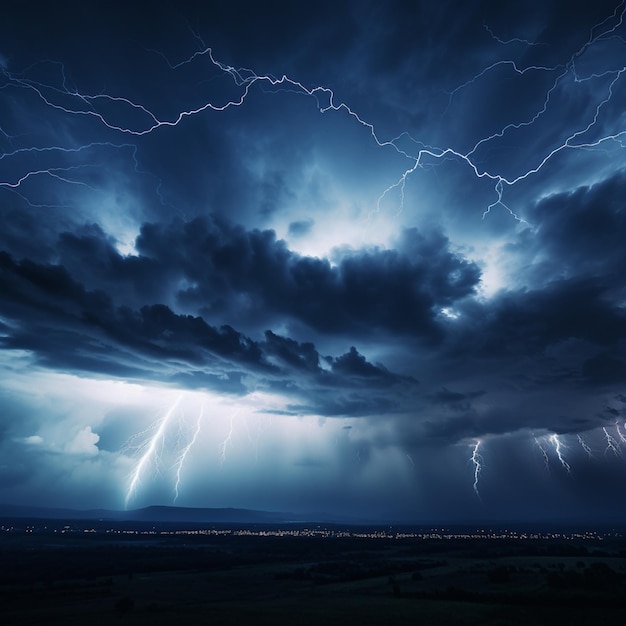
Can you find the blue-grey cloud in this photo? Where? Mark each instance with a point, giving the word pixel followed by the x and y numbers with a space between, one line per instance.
pixel 427 249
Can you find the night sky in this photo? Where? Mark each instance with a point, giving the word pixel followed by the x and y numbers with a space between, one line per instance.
pixel 355 257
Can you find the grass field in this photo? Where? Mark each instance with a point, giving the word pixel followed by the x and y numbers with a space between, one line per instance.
pixel 305 582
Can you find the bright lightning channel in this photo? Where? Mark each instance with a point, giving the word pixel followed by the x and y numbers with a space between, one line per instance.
pixel 185 451
pixel 150 450
pixel 72 102
pixel 585 446
pixel 227 440
pixel 477 461
pixel 558 448
pixel 611 444
pixel 544 453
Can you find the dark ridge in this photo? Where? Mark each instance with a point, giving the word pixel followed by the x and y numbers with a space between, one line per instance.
pixel 164 514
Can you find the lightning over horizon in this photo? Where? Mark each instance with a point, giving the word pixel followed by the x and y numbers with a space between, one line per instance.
pixel 585 447
pixel 611 444
pixel 477 462
pixel 300 260
pixel 555 440
pixel 149 450
pixel 180 462
pixel 544 453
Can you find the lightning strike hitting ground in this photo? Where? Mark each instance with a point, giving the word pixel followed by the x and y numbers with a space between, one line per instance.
pixel 224 445
pixel 592 85
pixel 620 434
pixel 149 451
pixel 477 461
pixel 558 448
pixel 611 444
pixel 585 447
pixel 185 451
pixel 544 453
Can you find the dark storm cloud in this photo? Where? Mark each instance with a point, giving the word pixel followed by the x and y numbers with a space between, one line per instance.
pixel 211 299
pixel 580 233
pixel 397 291
pixel 68 327
pixel 568 311
pixel 605 368
pixel 301 356
pixel 347 405
pixel 222 270
pixel 349 369
pixel 454 400
pixel 527 321
pixel 354 366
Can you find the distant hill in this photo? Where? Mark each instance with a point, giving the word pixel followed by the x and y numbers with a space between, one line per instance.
pixel 159 514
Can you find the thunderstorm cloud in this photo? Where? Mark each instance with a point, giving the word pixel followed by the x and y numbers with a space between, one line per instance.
pixel 320 252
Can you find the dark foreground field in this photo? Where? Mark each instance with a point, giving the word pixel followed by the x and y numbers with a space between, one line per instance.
pixel 103 578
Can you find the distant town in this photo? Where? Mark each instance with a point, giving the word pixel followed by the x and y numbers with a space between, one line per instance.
pixel 142 529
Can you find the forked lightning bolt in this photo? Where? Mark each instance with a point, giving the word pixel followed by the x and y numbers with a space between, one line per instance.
pixel 620 434
pixel 149 451
pixel 477 461
pixel 585 447
pixel 544 453
pixel 65 164
pixel 227 440
pixel 106 109
pixel 185 451
pixel 558 448
pixel 611 444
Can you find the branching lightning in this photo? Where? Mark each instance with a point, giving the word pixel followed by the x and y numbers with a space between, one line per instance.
pixel 544 453
pixel 140 120
pixel 477 461
pixel 512 40
pixel 585 447
pixel 185 451
pixel 149 451
pixel 558 448
pixel 227 440
pixel 170 440
pixel 611 444
pixel 128 121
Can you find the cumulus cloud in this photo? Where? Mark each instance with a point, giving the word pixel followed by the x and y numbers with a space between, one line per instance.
pixel 84 443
